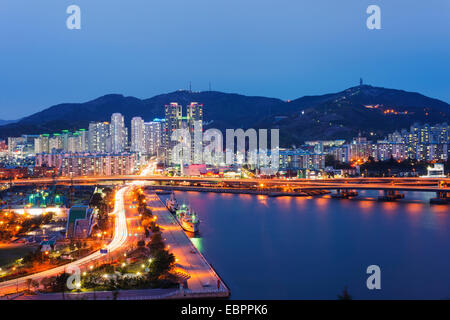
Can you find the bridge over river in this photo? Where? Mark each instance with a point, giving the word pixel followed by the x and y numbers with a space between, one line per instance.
pixel 345 187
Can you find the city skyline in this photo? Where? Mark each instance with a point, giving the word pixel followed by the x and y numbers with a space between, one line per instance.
pixel 210 157
pixel 92 151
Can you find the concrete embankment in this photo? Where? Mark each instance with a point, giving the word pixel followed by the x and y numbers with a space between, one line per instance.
pixel 201 279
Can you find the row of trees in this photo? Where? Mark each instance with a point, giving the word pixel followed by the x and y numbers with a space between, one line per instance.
pixel 147 218
pixel 162 260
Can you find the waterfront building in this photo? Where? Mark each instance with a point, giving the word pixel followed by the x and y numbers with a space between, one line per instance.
pixel 432 151
pixel 301 159
pixel 385 150
pixel 360 149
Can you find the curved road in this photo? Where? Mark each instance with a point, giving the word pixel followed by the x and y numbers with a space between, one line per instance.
pixel 120 237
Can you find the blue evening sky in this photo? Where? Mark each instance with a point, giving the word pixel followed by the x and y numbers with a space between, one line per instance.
pixel 276 48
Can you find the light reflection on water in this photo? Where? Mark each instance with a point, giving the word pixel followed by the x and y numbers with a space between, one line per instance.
pixel 311 248
pixel 197 242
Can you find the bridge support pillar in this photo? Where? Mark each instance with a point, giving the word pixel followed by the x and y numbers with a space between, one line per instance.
pixel 344 194
pixel 442 197
pixel 391 195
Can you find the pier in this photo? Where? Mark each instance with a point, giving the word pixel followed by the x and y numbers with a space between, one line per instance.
pixel 201 280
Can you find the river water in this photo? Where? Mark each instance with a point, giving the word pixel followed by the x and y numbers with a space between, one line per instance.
pixel 312 248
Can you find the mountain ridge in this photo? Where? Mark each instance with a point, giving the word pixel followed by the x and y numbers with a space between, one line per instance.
pixel 371 110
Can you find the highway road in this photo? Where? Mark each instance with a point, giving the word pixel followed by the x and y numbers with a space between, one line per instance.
pixel 119 240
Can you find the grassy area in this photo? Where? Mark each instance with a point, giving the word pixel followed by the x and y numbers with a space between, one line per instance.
pixel 10 253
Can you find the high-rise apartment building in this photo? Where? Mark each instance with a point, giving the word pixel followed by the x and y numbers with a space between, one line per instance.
pixel 56 143
pixel 153 136
pixel 173 112
pixel 98 136
pixel 83 137
pixel 73 143
pixel 194 119
pixel 41 144
pixel 119 136
pixel 137 135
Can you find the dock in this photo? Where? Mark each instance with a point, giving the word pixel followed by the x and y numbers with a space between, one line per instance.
pixel 201 279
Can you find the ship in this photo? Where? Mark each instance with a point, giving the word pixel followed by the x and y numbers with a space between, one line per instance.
pixel 188 219
pixel 172 204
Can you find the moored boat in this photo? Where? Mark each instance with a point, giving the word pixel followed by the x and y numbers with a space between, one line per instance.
pixel 171 203
pixel 188 219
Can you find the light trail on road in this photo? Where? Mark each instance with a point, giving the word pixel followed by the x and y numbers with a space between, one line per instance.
pixel 119 239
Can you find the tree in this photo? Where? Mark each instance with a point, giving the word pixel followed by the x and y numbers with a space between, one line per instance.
pixel 47 282
pixel 156 243
pixel 28 282
pixel 162 262
pixel 141 243
pixel 60 282
pixel 154 227
pixel 115 294
pixel 34 284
